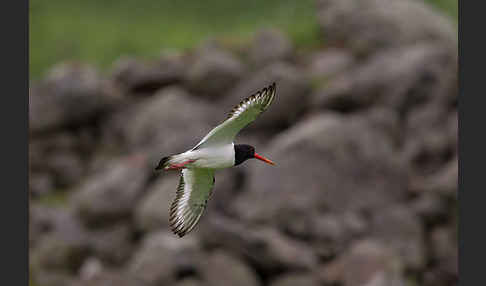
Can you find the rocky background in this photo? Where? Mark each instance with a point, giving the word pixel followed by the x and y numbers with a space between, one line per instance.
pixel 363 130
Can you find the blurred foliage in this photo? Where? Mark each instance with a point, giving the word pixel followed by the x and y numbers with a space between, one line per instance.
pixel 449 7
pixel 57 198
pixel 99 32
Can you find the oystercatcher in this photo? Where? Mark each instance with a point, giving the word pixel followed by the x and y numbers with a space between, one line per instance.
pixel 215 151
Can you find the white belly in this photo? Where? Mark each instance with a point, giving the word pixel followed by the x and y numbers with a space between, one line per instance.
pixel 213 157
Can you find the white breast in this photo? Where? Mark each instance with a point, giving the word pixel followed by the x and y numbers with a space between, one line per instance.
pixel 214 157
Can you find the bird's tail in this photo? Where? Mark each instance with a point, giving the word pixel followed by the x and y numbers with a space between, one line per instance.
pixel 177 160
pixel 164 162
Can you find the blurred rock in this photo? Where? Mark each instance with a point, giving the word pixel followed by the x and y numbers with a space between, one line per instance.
pixel 112 244
pixel 110 278
pixel 58 157
pixel 345 154
pixel 91 267
pixel 331 234
pixel 445 249
pixel 141 77
pixel 268 46
pixel 367 262
pixel 264 247
pixel 110 195
pixel 189 282
pixel 431 208
pixel 51 278
pixel 446 180
pixel 163 257
pixel 63 248
pixel 221 269
pixel 152 211
pixel 431 138
pixel 169 122
pixel 443 182
pixel 71 95
pixel 399 229
pixel 66 167
pixel 229 182
pixel 40 184
pixel 295 279
pixel 452 129
pixel 40 222
pixel 293 89
pixel 369 26
pixel 386 121
pixel 400 79
pixel 213 72
pixel 444 257
pixel 323 65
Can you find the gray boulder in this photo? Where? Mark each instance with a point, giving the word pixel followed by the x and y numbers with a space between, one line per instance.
pixel 113 244
pixel 44 220
pixel 40 184
pixel 152 211
pixel 64 245
pixel 67 167
pixel 367 262
pixel 142 77
pixel 324 163
pixel 330 234
pixel 442 182
pixel 229 183
pixel 221 269
pixel 189 282
pixel 268 46
pixel 400 79
pixel 431 208
pixel 110 278
pixel 265 247
pixel 324 65
pixel 51 278
pixel 444 246
pixel 58 158
pixel 431 138
pixel 213 72
pixel 369 26
pixel 110 195
pixel 401 230
pixel 71 95
pixel 163 256
pixel 291 279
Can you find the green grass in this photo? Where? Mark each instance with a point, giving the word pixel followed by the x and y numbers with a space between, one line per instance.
pixel 449 7
pixel 99 32
pixel 54 199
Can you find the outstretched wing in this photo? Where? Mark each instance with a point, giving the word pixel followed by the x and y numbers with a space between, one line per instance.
pixel 241 115
pixel 195 186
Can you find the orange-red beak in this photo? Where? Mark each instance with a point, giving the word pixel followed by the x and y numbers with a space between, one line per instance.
pixel 263 159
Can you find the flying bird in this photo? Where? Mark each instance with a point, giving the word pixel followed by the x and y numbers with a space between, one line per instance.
pixel 215 151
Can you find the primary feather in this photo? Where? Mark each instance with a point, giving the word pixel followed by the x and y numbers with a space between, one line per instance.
pixel 195 186
pixel 242 114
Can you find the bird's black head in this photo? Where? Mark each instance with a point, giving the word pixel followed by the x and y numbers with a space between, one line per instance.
pixel 244 152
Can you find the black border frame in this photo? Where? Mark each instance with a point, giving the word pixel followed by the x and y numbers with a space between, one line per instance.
pixel 15 149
